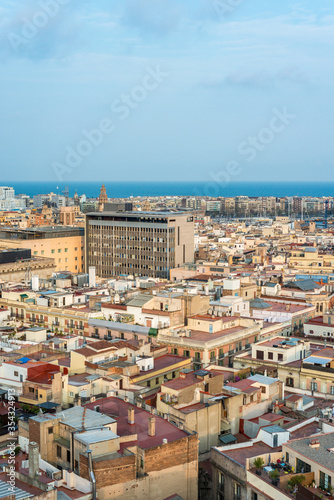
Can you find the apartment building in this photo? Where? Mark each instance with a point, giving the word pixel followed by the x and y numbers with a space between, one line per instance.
pixel 130 452
pixel 313 456
pixel 235 476
pixel 210 339
pixel 138 243
pixel 63 244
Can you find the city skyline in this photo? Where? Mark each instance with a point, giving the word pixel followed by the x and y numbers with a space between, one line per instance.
pixel 207 82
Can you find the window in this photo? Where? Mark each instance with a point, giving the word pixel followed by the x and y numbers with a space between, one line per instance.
pixel 289 382
pixel 68 455
pixel 173 375
pixel 35 253
pixel 270 355
pixel 50 430
pixel 314 386
pixel 53 250
pixel 237 491
pixel 16 374
pixel 325 481
pixel 279 357
pixel 66 249
pixel 58 451
pixel 254 496
pixel 148 383
pixel 259 355
pixel 71 394
pixel 186 354
pixel 212 355
pixel 31 389
pixel 302 467
pixel 287 457
pixel 157 381
pixel 59 250
pixel 332 389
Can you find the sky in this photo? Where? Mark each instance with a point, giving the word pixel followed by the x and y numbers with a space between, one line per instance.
pixel 166 90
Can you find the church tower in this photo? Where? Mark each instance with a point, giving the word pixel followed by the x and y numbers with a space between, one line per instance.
pixel 103 198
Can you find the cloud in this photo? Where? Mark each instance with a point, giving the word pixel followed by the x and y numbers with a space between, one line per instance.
pixel 157 17
pixel 38 30
pixel 260 79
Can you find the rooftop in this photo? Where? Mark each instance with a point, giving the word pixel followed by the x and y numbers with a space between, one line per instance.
pixel 323 455
pixel 118 409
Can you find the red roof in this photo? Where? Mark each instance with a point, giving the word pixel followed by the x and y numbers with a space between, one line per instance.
pixel 118 409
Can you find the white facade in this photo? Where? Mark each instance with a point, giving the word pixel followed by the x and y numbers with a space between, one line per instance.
pixel 145 363
pixel 36 335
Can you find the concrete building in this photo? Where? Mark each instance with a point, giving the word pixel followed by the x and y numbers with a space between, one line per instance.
pixel 131 453
pixel 141 244
pixel 63 244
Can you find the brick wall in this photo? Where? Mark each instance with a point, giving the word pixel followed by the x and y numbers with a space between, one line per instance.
pixel 34 431
pixel 171 454
pixel 123 469
pixel 109 472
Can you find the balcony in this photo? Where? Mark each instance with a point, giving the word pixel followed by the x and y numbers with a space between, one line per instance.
pixel 62 441
pixel 317 368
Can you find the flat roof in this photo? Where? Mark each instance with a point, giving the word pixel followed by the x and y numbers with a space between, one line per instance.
pixel 139 214
pixel 95 436
pixel 119 410
pixel 240 455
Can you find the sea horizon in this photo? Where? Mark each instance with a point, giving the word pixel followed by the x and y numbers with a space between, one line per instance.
pixel 123 189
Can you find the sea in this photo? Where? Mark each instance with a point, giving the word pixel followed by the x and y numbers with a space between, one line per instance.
pixel 154 189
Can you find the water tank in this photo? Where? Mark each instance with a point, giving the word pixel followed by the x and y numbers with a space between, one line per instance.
pixel 92 276
pixel 35 282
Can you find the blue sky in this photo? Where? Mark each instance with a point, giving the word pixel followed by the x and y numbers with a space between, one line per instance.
pixel 226 69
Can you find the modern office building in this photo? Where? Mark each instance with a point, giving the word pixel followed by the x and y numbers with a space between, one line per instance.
pixel 63 244
pixel 138 243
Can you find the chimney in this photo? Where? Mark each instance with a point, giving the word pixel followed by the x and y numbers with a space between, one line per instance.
pixel 314 443
pixel 131 415
pixel 151 426
pixel 33 459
